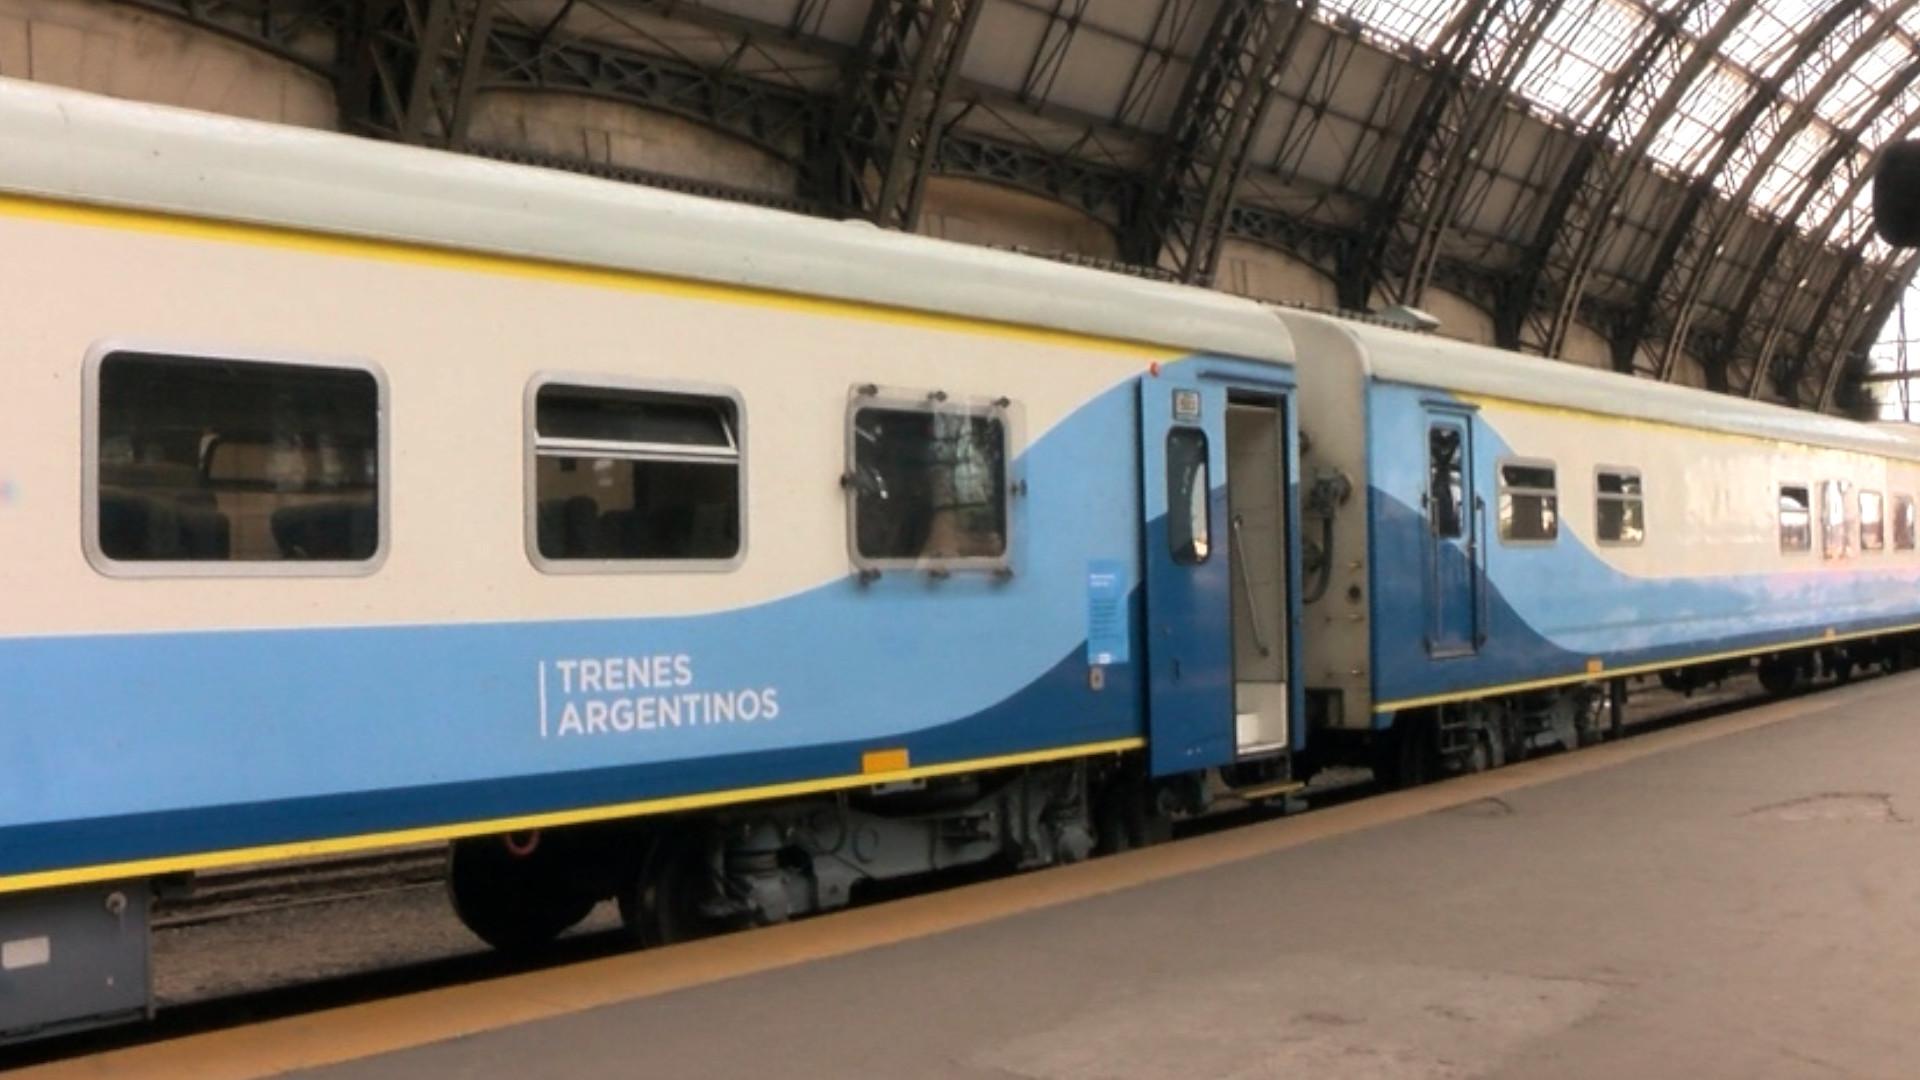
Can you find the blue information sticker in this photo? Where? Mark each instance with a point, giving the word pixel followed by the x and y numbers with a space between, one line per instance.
pixel 1107 630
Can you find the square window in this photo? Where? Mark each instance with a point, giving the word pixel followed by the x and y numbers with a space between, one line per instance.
pixel 635 475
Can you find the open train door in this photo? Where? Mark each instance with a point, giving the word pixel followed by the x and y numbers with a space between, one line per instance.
pixel 1221 565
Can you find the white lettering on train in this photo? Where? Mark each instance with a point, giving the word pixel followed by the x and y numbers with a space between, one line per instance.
pixel 619 695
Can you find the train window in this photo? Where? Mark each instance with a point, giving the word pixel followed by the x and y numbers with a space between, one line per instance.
pixel 1835 541
pixel 225 465
pixel 1443 481
pixel 1873 529
pixel 1903 522
pixel 1189 518
pixel 634 474
pixel 1529 502
pixel 1619 510
pixel 1796 518
pixel 927 482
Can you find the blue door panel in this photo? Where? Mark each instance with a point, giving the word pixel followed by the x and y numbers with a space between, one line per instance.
pixel 1189 656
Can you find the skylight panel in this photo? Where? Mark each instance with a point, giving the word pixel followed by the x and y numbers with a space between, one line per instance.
pixel 1579 55
pixel 1396 22
pixel 1786 178
pixel 1701 118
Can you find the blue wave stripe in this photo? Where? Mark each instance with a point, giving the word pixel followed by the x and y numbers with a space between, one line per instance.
pixel 1551 608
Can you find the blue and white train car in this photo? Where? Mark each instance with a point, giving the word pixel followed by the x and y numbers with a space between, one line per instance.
pixel 1531 533
pixel 354 495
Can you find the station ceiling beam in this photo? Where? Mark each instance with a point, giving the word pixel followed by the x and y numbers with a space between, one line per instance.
pixel 409 68
pixel 1759 318
pixel 1472 67
pixel 1854 319
pixel 777 119
pixel 1189 196
pixel 286 29
pixel 1540 302
pixel 1676 284
pixel 887 126
pixel 1762 97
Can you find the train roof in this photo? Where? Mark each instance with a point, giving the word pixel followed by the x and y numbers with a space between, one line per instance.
pixel 68 145
pixel 1426 360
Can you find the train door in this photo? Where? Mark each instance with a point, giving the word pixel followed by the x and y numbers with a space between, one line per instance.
pixel 1455 518
pixel 1217 476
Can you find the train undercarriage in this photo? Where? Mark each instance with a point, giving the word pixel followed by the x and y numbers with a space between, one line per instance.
pixel 686 876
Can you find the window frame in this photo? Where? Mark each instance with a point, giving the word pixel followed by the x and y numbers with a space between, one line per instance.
pixel 1005 410
pixel 1849 545
pixel 96 357
pixel 1860 496
pixel 1812 510
pixel 1903 510
pixel 1600 497
pixel 1501 490
pixel 530 479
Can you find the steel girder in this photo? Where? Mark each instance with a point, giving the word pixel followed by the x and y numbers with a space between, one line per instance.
pixel 282 28
pixel 1679 283
pixel 1863 308
pixel 409 68
pixel 1629 334
pixel 1189 199
pixel 1468 86
pixel 1102 191
pixel 779 120
pixel 1544 298
pixel 887 128
pixel 1759 318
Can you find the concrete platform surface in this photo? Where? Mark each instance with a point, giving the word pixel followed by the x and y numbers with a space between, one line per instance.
pixel 1737 898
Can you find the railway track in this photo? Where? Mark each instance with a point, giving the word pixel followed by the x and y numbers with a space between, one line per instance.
pixel 258 888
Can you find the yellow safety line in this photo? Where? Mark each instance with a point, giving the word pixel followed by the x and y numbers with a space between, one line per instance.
pixel 401 837
pixel 404 252
pixel 1597 674
pixel 361 1031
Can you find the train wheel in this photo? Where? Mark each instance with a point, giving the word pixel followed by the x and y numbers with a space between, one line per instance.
pixel 673 896
pixel 512 892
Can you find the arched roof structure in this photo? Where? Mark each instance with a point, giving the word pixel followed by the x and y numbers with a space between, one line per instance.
pixel 1683 180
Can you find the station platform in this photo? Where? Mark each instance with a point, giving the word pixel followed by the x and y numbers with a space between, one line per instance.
pixel 1737 897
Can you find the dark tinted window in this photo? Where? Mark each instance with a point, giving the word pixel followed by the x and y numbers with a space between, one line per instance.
pixel 1189 514
pixel 635 475
pixel 1796 518
pixel 1619 510
pixel 928 484
pixel 1903 522
pixel 1444 491
pixel 207 460
pixel 1529 503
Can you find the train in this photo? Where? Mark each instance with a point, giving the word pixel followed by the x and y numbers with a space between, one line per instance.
pixel 722 562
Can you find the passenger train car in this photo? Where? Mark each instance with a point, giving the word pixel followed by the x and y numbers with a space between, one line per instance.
pixel 720 561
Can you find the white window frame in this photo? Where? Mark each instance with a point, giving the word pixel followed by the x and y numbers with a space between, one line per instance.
pixel 1860 509
pixel 1810 492
pixel 530 427
pixel 97 557
pixel 1502 490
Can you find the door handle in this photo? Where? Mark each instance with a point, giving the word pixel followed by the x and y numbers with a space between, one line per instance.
pixel 1253 605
